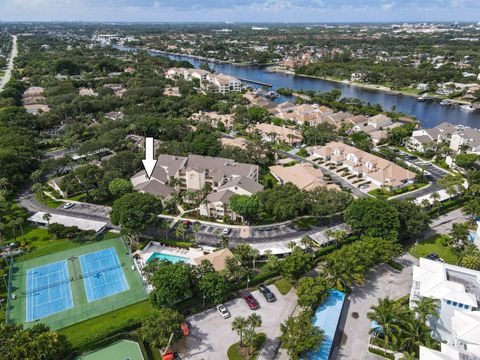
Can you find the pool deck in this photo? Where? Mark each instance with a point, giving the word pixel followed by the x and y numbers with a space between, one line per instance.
pixel 156 247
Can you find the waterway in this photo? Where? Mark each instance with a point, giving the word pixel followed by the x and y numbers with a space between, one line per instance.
pixel 428 113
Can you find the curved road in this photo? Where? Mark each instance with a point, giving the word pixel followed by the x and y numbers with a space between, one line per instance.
pixel 279 233
pixel 8 72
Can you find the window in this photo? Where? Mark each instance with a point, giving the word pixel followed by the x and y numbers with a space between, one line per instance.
pixel 449 302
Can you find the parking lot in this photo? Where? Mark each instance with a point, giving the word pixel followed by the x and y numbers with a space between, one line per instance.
pixel 211 335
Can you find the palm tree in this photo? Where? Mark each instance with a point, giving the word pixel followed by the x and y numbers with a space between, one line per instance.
pixel 196 229
pixel 254 321
pixel 414 332
pixel 165 225
pixel 306 241
pixel 337 235
pixel 472 209
pixel 19 222
pixel 224 242
pixel 37 189
pixel 426 307
pixel 180 231
pixel 239 325
pixel 13 226
pixel 385 314
pixel 47 218
pixel 471 261
pixel 4 183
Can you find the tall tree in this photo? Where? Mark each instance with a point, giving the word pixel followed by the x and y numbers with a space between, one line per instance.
pixel 134 212
pixel 159 324
pixel 373 217
pixel 299 335
pixel 385 314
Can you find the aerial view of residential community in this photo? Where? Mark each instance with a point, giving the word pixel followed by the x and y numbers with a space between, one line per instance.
pixel 239 180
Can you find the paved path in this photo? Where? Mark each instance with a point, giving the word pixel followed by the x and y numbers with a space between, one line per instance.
pixel 8 72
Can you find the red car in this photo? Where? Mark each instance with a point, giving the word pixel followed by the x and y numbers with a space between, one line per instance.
pixel 250 300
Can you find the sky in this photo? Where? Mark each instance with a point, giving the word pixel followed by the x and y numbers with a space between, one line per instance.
pixel 240 10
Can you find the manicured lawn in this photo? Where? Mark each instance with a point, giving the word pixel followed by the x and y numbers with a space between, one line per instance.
pixel 283 286
pixel 434 244
pixel 306 223
pixel 385 194
pixel 107 324
pixel 40 242
pixel 234 354
pixel 79 197
pixel 48 201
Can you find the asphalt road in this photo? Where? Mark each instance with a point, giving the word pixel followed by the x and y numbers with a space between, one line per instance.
pixel 435 174
pixel 8 71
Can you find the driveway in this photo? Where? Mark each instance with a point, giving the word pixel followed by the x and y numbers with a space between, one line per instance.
pixel 211 335
pixel 352 334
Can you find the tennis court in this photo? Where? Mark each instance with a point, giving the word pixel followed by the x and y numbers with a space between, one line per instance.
pixel 102 274
pixel 48 290
pixel 74 285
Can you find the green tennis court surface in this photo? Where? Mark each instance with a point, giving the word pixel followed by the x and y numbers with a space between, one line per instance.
pixel 108 275
pixel 120 350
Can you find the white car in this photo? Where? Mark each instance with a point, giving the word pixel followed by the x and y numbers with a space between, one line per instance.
pixel 68 205
pixel 224 313
pixel 226 231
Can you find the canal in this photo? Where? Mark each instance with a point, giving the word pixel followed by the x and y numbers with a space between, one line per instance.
pixel 428 113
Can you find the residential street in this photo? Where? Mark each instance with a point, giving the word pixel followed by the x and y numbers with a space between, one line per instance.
pixel 8 71
pixel 211 335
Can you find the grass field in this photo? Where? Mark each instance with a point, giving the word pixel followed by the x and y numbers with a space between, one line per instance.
pixel 434 244
pixel 82 309
pixel 40 243
pixel 283 286
pixel 107 324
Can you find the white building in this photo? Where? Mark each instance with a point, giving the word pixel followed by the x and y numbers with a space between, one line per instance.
pixel 458 291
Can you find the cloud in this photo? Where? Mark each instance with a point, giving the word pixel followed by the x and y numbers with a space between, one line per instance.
pixel 239 10
pixel 387 6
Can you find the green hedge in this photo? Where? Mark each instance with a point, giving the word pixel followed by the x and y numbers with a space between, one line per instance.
pixel 381 353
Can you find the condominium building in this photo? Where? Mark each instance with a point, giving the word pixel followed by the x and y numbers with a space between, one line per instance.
pixel 457 290
pixel 379 171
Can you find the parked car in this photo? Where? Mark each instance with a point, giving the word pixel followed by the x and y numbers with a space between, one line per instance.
pixel 68 205
pixel 224 313
pixel 435 257
pixel 250 300
pixel 364 186
pixel 226 231
pixel 267 293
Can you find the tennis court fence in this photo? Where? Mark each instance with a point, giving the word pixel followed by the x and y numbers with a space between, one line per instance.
pixel 9 291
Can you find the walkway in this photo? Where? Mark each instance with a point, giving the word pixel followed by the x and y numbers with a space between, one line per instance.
pixel 8 72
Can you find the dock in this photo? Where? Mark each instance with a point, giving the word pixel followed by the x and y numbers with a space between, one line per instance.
pixel 255 82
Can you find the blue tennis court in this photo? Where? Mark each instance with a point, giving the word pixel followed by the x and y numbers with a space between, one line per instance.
pixel 102 274
pixel 48 290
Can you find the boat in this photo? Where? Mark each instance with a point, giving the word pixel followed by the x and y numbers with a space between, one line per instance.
pixel 467 107
pixel 422 98
pixel 447 102
pixel 394 93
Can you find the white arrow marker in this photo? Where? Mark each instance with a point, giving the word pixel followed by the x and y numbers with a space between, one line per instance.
pixel 149 162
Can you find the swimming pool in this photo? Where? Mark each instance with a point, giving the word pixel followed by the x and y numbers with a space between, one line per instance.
pixel 326 318
pixel 172 258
